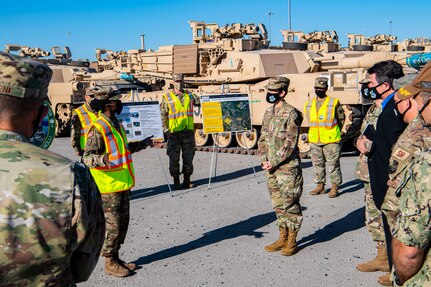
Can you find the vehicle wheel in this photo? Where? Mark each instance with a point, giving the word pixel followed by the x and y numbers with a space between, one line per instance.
pixel 248 139
pixel 201 138
pixel 295 46
pixel 415 48
pixel 362 47
pixel 223 139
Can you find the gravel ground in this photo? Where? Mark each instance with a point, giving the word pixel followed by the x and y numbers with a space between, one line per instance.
pixel 215 237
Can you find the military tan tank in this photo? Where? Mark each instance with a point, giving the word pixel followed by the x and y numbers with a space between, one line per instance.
pixel 237 58
pixel 70 78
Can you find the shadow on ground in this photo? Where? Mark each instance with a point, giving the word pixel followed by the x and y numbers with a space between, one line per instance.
pixel 352 221
pixel 247 227
pixel 146 192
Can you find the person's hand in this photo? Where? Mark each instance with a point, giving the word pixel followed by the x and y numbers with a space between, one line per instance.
pixel 266 165
pixel 106 160
pixel 148 141
pixel 362 144
pixel 158 144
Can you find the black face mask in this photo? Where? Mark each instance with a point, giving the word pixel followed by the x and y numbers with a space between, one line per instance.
pixel 119 108
pixel 424 107
pixel 320 93
pixel 97 105
pixel 399 115
pixel 272 98
pixel 372 93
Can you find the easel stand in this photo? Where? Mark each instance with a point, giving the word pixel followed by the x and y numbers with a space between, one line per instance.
pixel 214 159
pixel 164 172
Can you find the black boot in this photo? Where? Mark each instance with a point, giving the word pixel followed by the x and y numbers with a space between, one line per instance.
pixel 187 183
pixel 177 184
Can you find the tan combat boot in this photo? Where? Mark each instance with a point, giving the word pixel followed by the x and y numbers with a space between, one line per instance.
pixel 291 247
pixel 320 189
pixel 177 185
pixel 279 244
pixel 187 183
pixel 380 263
pixel 334 191
pixel 385 280
pixel 114 268
pixel 129 265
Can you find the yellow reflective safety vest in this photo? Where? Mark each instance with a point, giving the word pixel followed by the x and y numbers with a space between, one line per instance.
pixel 121 175
pixel 180 117
pixel 86 118
pixel 323 123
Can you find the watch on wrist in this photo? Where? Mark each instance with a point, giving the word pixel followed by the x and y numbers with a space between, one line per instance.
pixel 397 280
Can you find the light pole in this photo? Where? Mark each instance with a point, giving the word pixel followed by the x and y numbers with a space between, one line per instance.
pixel 288 15
pixel 390 27
pixel 269 23
pixel 68 37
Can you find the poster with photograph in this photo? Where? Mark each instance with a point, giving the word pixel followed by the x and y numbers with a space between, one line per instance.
pixel 141 120
pixel 226 113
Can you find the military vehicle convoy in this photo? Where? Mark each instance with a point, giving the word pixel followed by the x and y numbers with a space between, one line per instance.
pixel 238 58
pixel 233 58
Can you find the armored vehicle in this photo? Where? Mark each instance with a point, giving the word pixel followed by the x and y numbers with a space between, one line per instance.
pixel 238 58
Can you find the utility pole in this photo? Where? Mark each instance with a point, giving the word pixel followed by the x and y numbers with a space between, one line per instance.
pixel 390 27
pixel 289 15
pixel 68 37
pixel 269 23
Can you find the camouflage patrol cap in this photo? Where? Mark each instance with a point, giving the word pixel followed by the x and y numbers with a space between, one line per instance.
pixel 321 83
pixel 277 83
pixel 177 77
pixel 23 78
pixel 422 83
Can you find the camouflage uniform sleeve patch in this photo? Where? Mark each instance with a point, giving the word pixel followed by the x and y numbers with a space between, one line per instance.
pixel 401 154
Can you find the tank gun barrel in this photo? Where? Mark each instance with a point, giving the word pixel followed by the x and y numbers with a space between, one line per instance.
pixel 367 60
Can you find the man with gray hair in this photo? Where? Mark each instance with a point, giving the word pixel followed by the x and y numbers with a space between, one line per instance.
pixel 51 218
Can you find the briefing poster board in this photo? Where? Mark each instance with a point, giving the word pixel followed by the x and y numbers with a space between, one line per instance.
pixel 226 113
pixel 141 120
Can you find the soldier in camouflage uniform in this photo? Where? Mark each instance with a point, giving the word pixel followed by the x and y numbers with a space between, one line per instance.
pixel 279 154
pixel 373 216
pixel 176 110
pixel 99 154
pixel 325 146
pixel 81 121
pixel 404 183
pixel 51 218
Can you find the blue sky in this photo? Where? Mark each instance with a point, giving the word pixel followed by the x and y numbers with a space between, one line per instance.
pixel 116 25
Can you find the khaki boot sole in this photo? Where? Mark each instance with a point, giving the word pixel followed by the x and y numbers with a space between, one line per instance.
pixel 385 280
pixel 365 267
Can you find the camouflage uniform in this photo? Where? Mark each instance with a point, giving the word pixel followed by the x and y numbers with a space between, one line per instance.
pixel 75 131
pixel 116 205
pixel 373 216
pixel 51 218
pixel 412 227
pixel 328 153
pixel 182 140
pixel 415 138
pixel 278 144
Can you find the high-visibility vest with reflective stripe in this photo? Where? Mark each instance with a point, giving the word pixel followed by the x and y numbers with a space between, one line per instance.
pixel 180 117
pixel 323 123
pixel 121 175
pixel 86 118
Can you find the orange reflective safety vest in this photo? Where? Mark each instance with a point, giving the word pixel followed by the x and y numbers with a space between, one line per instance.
pixel 323 123
pixel 180 117
pixel 86 118
pixel 121 175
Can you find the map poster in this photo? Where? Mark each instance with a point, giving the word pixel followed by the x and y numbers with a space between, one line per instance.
pixel 141 120
pixel 226 113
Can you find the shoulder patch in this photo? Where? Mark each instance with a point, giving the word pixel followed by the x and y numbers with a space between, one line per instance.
pixel 401 154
